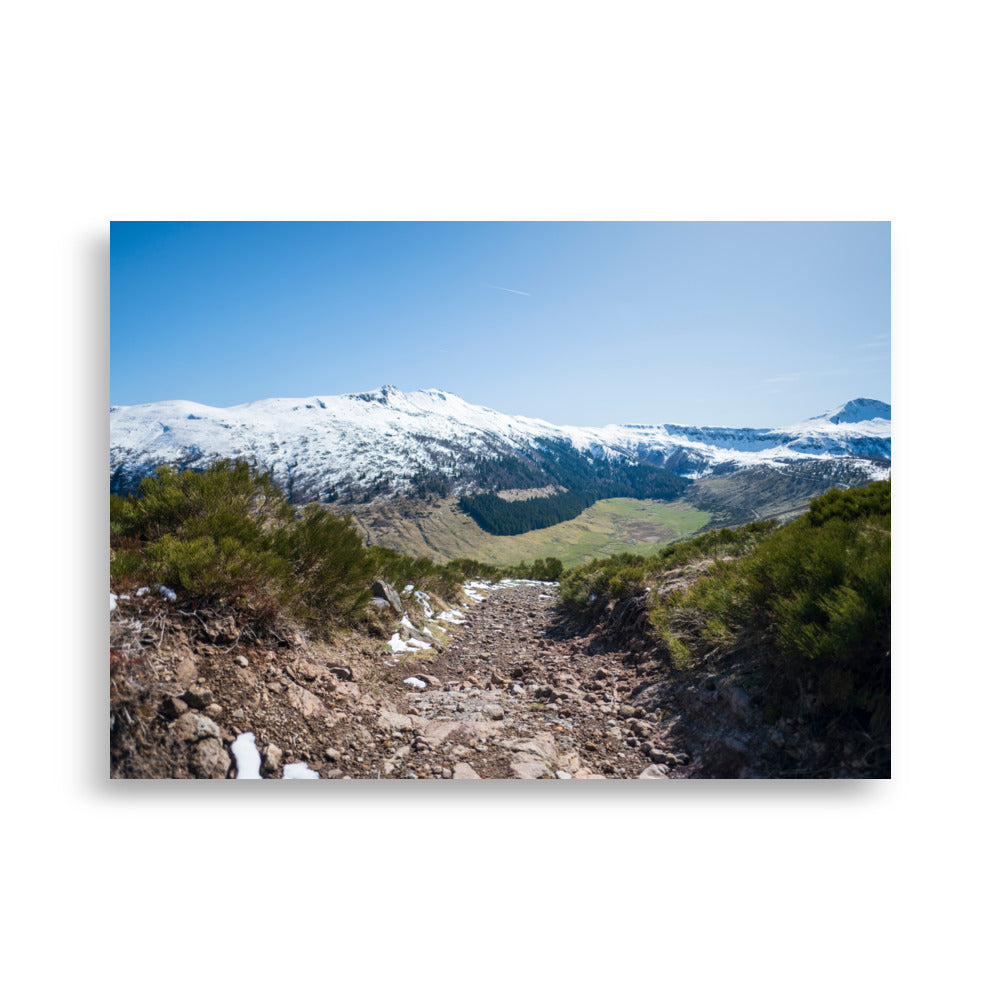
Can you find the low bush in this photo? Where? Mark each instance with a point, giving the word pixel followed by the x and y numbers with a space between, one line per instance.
pixel 811 599
pixel 817 594
pixel 228 535
pixel 328 571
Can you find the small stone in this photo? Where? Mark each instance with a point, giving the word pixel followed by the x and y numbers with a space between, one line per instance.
pixel 271 759
pixel 332 753
pixel 306 670
pixel 242 661
pixel 528 767
pixel 192 727
pixel 739 701
pixel 463 770
pixel 172 708
pixel 213 711
pixel 655 771
pixel 338 670
pixel 186 671
pixel 335 773
pixel 495 712
pixel 209 759
pixel 198 697
pixel 657 756
pixel 564 775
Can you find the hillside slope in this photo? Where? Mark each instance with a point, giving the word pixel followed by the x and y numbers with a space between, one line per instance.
pixel 440 531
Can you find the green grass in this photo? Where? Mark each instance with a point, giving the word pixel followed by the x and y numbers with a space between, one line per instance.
pixel 437 529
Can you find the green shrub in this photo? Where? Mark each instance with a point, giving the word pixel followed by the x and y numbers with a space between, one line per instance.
pixel 818 592
pixel 328 569
pixel 171 499
pixel 812 597
pixel 228 534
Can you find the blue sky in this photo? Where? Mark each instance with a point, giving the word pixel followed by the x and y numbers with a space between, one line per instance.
pixel 755 324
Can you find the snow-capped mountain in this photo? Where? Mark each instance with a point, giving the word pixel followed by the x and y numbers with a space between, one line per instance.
pixel 388 441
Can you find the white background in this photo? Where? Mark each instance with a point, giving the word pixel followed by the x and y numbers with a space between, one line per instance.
pixel 538 110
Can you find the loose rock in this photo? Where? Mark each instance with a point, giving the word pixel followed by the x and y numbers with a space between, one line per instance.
pixel 209 759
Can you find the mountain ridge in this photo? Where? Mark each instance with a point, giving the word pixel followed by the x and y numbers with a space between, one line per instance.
pixel 387 442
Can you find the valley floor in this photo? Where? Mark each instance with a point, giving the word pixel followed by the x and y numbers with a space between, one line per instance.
pixel 440 531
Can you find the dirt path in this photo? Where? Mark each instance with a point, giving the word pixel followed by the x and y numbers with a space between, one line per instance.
pixel 514 691
pixel 519 694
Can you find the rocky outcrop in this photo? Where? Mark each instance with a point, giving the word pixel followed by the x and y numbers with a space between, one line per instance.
pixel 384 592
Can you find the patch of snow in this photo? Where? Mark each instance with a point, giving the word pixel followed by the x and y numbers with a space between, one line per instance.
pixel 397 645
pixel 168 594
pixel 114 602
pixel 298 770
pixel 244 749
pixel 424 603
pixel 142 592
pixel 415 682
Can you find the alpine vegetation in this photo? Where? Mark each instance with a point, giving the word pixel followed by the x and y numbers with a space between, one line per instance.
pixel 228 535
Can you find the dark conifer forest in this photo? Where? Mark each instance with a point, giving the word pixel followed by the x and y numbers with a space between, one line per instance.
pixel 585 479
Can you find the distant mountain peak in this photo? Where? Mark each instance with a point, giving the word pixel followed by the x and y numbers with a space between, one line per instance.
pixel 858 411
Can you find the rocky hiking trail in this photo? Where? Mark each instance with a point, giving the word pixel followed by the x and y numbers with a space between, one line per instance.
pixel 520 694
pixel 504 686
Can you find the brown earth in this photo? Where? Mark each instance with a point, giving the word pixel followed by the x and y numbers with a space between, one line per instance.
pixel 517 691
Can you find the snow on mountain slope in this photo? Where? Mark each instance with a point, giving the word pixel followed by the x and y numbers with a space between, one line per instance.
pixel 381 440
